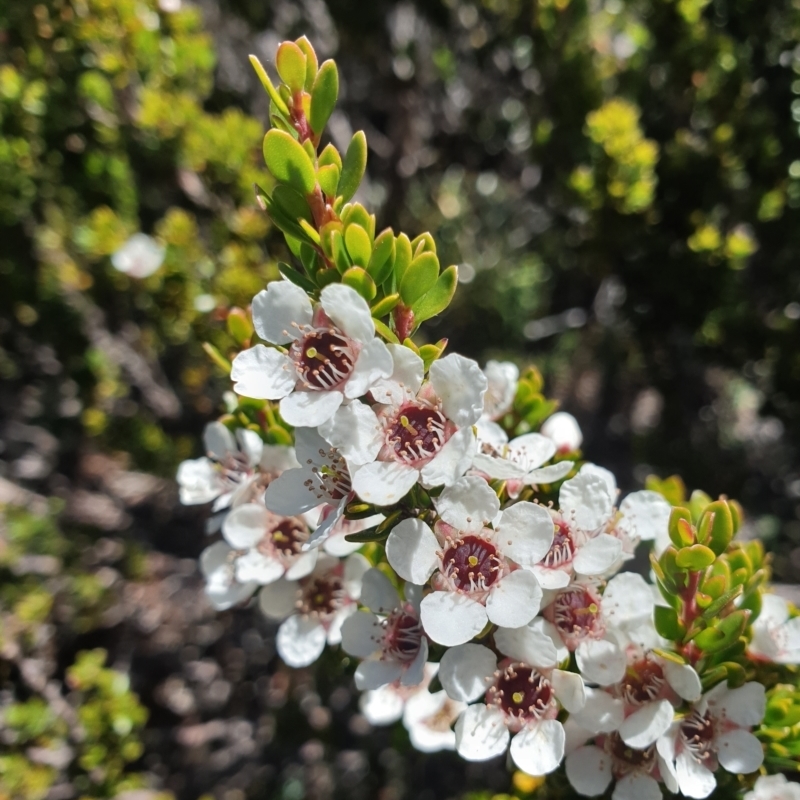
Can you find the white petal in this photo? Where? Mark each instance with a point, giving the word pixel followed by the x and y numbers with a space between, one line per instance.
pixel 214 557
pixel 276 308
pixel 422 708
pixel 198 480
pixel 468 505
pixel 645 515
pixel 538 749
pixel 300 641
pixel 586 500
pixel 550 579
pixel 373 674
pixel 277 458
pixel 219 441
pixel 551 474
pixel 257 567
pixel 406 378
pixel 481 733
pixel 503 377
pixel 498 468
pixel 569 689
pixel 466 671
pixel 414 672
pixel 377 592
pixel 310 447
pixel 606 475
pixel 450 618
pixel 373 363
pixel 384 482
pixel 349 310
pixel 382 706
pixel 355 567
pixel 647 724
pixel 335 625
pixel 564 430
pixel 303 565
pixel 452 461
pixel 598 555
pixel 525 533
pixel 531 450
pixel 637 787
pixel 589 770
pixel 601 713
pixel 245 526
pixel 694 779
pixel 310 409
pixel 668 774
pixel 628 601
pixel 514 600
pixel 739 752
pixel 252 446
pixel 601 662
pixel 683 679
pixel 355 432
pixel 460 385
pixel 744 706
pixel 277 600
pixel 293 492
pixel 490 433
pixel 411 551
pixel 263 373
pixel 527 644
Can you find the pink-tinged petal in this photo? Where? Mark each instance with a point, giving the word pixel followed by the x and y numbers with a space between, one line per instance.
pixel 538 749
pixel 569 689
pixel 278 600
pixel 589 770
pixel 450 618
pixel 355 432
pixel 377 592
pixel 637 787
pixel 601 712
pixel 373 674
pixel 564 430
pixel 452 461
pixel 300 641
pixel 310 408
pixel 531 450
pixel 694 779
pixel 373 364
pixel 525 533
pixel 586 500
pixel 628 601
pixel 411 550
pixel 460 385
pixel 468 505
pixel 684 680
pixel 481 733
pixel 601 662
pixel 598 555
pixel 514 600
pixel 303 565
pixel 739 752
pixel 647 724
pixel 349 310
pixel 279 310
pixel 645 515
pixel 527 644
pixel 219 442
pixel 384 482
pixel 263 373
pixel 245 526
pixel 551 474
pixel 466 671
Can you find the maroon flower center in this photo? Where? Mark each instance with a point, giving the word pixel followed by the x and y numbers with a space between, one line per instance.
pixel 288 536
pixel 322 596
pixel 324 359
pixel 403 636
pixel 562 550
pixel 576 612
pixel 643 682
pixel 521 692
pixel 416 433
pixel 627 759
pixel 471 563
pixel 333 480
pixel 697 734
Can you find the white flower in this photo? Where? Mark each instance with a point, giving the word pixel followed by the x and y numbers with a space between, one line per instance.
pixel 218 568
pixel 776 637
pixel 715 732
pixel 774 787
pixel 333 352
pixel 388 635
pixel 336 543
pixel 519 462
pixel 520 698
pixel 478 576
pixel 139 257
pixel 564 430
pixel 502 377
pixel 386 705
pixel 267 545
pixel 428 718
pixel 418 433
pixel 313 608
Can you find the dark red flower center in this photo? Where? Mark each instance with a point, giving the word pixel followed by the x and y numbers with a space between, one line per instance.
pixel 416 434
pixel 562 550
pixel 323 595
pixel 289 536
pixel 697 733
pixel 521 692
pixel 324 359
pixel 576 612
pixel 403 636
pixel 471 563
pixel 627 759
pixel 643 682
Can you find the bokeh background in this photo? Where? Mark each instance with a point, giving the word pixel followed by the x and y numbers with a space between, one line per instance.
pixel 619 182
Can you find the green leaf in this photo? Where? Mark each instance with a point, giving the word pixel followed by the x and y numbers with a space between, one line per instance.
pixel 697 504
pixel 385 331
pixel 310 258
pixel 327 276
pixel 669 655
pixel 723 634
pixel 714 586
pixel 286 223
pixel 295 245
pixel 424 243
pixel 668 624
pixel 380 262
pixel 217 357
pixel 718 522
pixel 402 257
pixel 360 280
pixel 369 535
pixel 719 604
pixel 354 166
pixel 311 232
pixel 681 534
pixel 291 203
pixel 330 155
pixel 288 161
pixel 297 278
pixel 239 326
pixel 340 257
pixel 280 105
pixel 291 65
pixel 358 245
pixel 439 297
pixel 696 557
pixel 323 96
pixel 385 306
pixel 736 674
pixel 328 179
pixel 419 278
pixel 430 352
pixel 312 63
pixel 356 213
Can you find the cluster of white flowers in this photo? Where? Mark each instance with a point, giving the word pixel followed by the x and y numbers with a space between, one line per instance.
pixel 542 646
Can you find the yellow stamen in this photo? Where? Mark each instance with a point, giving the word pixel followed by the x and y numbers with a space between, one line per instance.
pixel 312 352
pixel 517 697
pixel 473 561
pixel 407 425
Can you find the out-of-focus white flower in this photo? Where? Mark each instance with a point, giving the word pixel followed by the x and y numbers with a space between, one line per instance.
pixel 428 718
pixel 336 544
pixel 716 732
pixel 564 430
pixel 776 636
pixel 333 353
pixel 386 705
pixel 169 6
pixel 313 608
pixel 219 570
pixel 388 635
pixel 502 377
pixel 478 569
pixel 774 787
pixel 139 257
pixel 418 433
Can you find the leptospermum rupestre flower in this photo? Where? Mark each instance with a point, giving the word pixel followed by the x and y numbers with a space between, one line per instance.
pixel 479 573
pixel 388 635
pixel 417 432
pixel 774 787
pixel 776 635
pixel 333 353
pixel 386 705
pixel 219 570
pixel 313 608
pixel 428 717
pixel 715 732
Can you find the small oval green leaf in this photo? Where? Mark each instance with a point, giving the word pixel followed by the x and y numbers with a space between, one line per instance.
pixel 358 245
pixel 288 161
pixel 324 94
pixel 328 179
pixel 354 166
pixel 419 278
pixel 360 280
pixel 291 65
pixel 696 557
pixel 439 297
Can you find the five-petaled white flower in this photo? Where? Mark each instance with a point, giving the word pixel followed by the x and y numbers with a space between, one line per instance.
pixel 217 563
pixel 774 787
pixel 428 717
pixel 479 570
pixel 776 636
pixel 386 705
pixel 333 353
